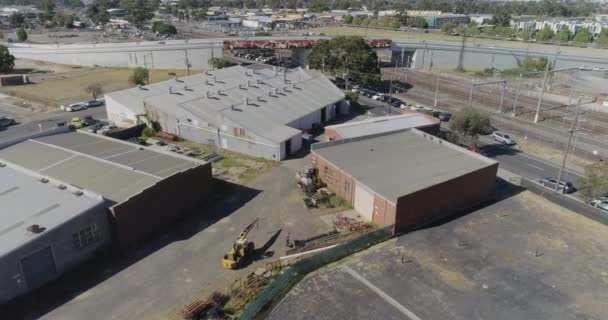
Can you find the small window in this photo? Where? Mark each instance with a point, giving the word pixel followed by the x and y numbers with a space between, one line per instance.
pixel 86 237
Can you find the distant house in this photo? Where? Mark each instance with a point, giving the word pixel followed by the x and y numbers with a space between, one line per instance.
pixel 260 112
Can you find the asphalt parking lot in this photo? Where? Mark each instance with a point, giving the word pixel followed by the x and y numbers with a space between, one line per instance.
pixel 520 258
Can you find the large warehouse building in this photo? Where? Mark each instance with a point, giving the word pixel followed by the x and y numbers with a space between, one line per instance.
pixel 406 179
pixel 259 112
pixel 144 189
pixel 386 124
pixel 46 227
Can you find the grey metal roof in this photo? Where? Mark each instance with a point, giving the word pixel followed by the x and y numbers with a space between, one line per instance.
pixel 25 200
pixel 383 124
pixel 113 168
pixel 222 93
pixel 402 163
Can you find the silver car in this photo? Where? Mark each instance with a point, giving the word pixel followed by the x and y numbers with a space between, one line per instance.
pixel 503 137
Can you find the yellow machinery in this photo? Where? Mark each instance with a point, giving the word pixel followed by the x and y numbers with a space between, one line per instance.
pixel 241 251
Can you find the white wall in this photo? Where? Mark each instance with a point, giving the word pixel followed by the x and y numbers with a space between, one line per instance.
pixel 118 114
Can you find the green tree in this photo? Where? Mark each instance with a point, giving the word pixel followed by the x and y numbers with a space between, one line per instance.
pixel 140 76
pixel 21 34
pixel 582 36
pixel 502 18
pixel 505 32
pixel 292 4
pixel 16 20
pixel 532 65
pixel 473 29
pixel 164 28
pixel 602 38
pixel 470 123
pixel 97 12
pixel 546 34
pixel 416 22
pixel 373 22
pixel 350 57
pixel 395 24
pixel 365 21
pixel 219 63
pixel 139 12
pixel 48 6
pixel 7 60
pixel 446 28
pixel 525 34
pixel 318 6
pixel 384 22
pixel 563 35
pixel 357 21
pixel 348 19
pixel 595 182
pixel 460 29
pixel 94 89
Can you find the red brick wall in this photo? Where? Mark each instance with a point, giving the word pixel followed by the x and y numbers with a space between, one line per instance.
pixel 154 208
pixel 443 200
pixel 337 181
pixel 384 212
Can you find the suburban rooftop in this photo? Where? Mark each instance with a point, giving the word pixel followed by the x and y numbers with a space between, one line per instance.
pixel 115 169
pixel 384 124
pixel 26 199
pixel 401 163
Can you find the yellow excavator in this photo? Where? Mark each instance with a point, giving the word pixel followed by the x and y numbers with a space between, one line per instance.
pixel 241 251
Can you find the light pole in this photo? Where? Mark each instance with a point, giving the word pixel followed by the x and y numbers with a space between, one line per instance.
pixel 568 146
pixel 514 113
pixel 542 92
pixel 436 91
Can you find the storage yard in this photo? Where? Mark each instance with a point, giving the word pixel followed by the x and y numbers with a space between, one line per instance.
pixel 520 258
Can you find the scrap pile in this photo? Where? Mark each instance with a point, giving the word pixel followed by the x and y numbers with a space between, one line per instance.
pixel 206 307
pixel 342 222
pixel 316 193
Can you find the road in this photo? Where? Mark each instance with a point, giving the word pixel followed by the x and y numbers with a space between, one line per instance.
pixel 30 122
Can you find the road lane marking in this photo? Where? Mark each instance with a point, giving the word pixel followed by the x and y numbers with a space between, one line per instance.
pixel 381 293
pixel 533 166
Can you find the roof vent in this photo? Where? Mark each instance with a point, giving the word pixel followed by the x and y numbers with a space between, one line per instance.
pixel 260 99
pixel 219 92
pixel 2 164
pixel 231 107
pixel 44 180
pixel 276 90
pixel 247 74
pixel 246 101
pixel 207 95
pixel 294 86
pixel 62 187
pixel 35 229
pixel 178 79
pixel 248 83
pixel 258 81
pixel 214 79
pixel 170 90
pixel 78 193
pixel 241 86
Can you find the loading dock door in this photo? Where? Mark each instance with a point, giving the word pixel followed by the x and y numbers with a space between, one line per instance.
pixel 38 268
pixel 364 201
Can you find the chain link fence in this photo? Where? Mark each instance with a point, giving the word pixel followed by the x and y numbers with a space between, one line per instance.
pixel 293 274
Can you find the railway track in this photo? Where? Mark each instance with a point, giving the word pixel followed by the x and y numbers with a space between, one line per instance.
pixel 552 113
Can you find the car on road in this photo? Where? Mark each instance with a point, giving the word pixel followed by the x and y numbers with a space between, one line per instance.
pixel 6 121
pixel 503 137
pixel 74 107
pixel 560 186
pixel 379 97
pixel 585 68
pixel 94 103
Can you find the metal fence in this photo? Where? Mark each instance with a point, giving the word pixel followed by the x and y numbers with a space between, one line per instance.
pixel 293 274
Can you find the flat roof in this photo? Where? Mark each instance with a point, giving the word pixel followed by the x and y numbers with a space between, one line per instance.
pixel 383 124
pixel 520 258
pixel 113 168
pixel 398 164
pixel 25 201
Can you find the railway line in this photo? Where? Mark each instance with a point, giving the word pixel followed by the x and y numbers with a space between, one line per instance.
pixel 552 113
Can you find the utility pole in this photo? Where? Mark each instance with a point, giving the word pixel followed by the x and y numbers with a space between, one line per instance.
pixel 461 55
pixel 390 95
pixel 436 91
pixel 542 92
pixel 502 96
pixel 571 131
pixel 514 113
pixel 212 60
pixel 471 93
pixel 187 62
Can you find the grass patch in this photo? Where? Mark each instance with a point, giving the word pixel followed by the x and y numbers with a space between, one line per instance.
pixel 235 167
pixel 338 202
pixel 71 88
pixel 398 34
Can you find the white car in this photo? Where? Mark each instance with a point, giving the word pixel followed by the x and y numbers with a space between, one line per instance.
pixel 503 137
pixel 601 204
pixel 417 107
pixel 379 97
pixel 74 107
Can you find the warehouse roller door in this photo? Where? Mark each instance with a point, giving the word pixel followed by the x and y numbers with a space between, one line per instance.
pixel 364 201
pixel 38 268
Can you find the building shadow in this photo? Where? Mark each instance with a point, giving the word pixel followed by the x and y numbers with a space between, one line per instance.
pixel 226 198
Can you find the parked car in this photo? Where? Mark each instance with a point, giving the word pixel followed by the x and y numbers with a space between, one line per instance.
pixel 74 107
pixel 379 97
pixel 444 116
pixel 95 103
pixel 503 137
pixel 595 201
pixel 562 186
pixel 417 107
pixel 600 203
pixel 6 121
pixel 105 129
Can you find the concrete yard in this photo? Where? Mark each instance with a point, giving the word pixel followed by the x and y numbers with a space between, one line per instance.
pixel 520 258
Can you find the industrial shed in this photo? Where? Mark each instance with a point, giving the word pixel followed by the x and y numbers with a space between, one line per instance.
pixel 406 179
pixel 260 112
pixel 386 124
pixel 144 189
pixel 46 228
